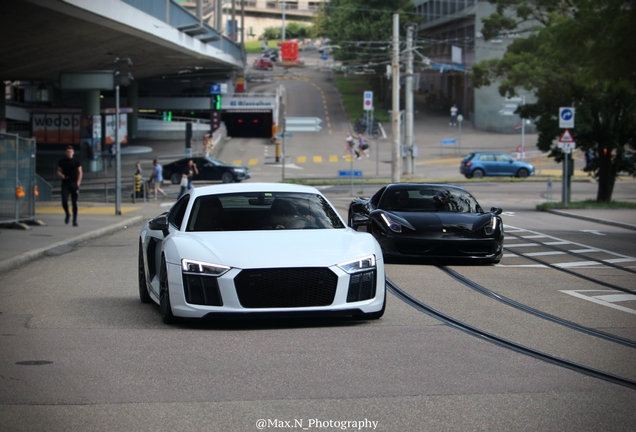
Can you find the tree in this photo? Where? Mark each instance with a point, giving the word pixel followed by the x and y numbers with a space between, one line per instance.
pixel 361 28
pixel 577 53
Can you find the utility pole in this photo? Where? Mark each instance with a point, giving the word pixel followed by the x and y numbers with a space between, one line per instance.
pixel 408 103
pixel 395 113
pixel 283 31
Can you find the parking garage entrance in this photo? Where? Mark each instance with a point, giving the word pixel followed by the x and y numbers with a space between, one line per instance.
pixel 248 123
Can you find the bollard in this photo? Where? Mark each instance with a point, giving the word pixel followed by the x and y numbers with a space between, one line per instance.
pixel 549 192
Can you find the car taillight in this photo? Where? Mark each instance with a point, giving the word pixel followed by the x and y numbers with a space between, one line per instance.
pixel 468 164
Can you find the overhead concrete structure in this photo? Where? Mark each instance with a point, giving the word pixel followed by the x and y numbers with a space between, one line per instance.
pixel 43 38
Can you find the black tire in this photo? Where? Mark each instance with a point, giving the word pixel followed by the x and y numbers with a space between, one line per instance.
pixel 522 173
pixel 164 295
pixel 469 176
pixel 141 270
pixel 478 173
pixel 175 178
pixel 227 177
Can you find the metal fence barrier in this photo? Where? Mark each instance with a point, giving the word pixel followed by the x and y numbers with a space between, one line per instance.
pixel 18 188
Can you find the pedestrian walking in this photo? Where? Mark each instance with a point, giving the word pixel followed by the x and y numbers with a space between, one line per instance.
pixel 157 178
pixel 113 153
pixel 453 115
pixel 363 147
pixel 70 170
pixel 187 174
pixel 349 147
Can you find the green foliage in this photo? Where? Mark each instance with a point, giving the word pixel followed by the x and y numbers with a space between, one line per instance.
pixel 362 28
pixel 293 30
pixel 352 89
pixel 575 57
pixel 587 204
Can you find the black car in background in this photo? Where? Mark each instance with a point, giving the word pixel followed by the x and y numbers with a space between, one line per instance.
pixel 419 220
pixel 210 169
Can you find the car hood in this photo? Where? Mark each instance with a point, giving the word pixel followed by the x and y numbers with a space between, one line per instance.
pixel 277 248
pixel 435 221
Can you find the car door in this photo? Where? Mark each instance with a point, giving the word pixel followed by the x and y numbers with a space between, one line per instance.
pixel 208 170
pixel 506 165
pixel 488 164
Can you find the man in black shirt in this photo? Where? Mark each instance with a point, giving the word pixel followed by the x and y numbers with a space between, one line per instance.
pixel 70 170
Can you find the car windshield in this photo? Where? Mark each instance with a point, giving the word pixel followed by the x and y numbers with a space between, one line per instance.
pixel 262 211
pixel 429 199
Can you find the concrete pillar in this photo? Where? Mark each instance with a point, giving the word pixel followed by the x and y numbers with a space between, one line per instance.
pixel 133 102
pixel 90 107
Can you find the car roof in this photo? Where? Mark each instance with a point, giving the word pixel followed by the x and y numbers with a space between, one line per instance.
pixel 252 187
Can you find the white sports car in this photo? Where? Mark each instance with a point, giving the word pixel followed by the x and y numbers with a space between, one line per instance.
pixel 236 250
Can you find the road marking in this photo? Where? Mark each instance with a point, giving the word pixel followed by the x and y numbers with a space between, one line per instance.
pixel 237 162
pixel 333 158
pixel 95 210
pixel 534 236
pixel 317 159
pixel 253 162
pixel 582 251
pixel 522 245
pixel 619 260
pixel 301 159
pixel 595 232
pixel 577 264
pixel 602 300
pixel 536 254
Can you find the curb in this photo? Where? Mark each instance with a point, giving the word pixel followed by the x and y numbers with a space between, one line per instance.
pixel 592 219
pixel 17 261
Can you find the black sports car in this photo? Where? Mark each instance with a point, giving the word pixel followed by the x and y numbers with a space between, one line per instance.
pixel 430 221
pixel 209 169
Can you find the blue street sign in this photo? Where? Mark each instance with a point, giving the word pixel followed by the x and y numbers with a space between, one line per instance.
pixel 325 56
pixel 280 135
pixel 215 89
pixel 566 117
pixel 349 173
pixel 449 141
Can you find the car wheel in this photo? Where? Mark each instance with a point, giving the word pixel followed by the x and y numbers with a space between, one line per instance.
pixel 143 285
pixel 164 295
pixel 175 178
pixel 478 173
pixel 522 173
pixel 468 176
pixel 227 177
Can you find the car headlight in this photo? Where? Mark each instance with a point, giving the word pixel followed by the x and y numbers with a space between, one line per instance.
pixel 490 228
pixel 203 268
pixel 393 225
pixel 358 265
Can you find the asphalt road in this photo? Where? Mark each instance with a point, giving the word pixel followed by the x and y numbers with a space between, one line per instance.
pixel 79 351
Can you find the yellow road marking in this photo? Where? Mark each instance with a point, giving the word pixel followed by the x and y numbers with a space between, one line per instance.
pixel 253 162
pixel 237 162
pixel 301 159
pixel 333 158
pixel 317 159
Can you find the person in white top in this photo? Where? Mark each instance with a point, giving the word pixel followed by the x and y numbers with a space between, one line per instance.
pixel 453 115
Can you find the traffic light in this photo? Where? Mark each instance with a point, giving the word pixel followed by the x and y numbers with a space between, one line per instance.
pixel 215 112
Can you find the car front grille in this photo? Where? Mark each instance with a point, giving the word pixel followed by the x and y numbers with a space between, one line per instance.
pixel 361 286
pixel 286 287
pixel 201 290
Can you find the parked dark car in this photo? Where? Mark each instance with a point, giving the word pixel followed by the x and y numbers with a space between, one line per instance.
pixel 480 164
pixel 419 220
pixel 209 169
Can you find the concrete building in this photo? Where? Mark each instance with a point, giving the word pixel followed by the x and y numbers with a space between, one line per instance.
pixel 450 34
pixel 256 15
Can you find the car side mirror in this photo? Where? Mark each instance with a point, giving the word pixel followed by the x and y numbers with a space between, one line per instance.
pixel 496 210
pixel 357 207
pixel 160 223
pixel 360 220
